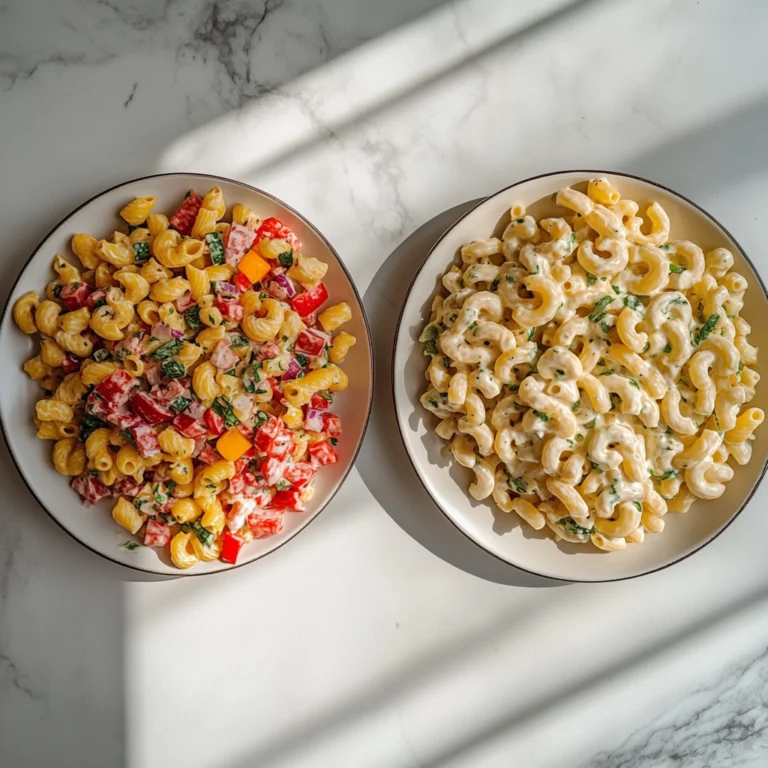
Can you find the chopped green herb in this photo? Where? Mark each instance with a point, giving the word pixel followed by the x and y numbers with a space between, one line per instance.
pixel 676 269
pixel 57 290
pixel 540 415
pixel 141 251
pixel 606 372
pixel 216 247
pixel 205 536
pixel 596 467
pixel 172 347
pixel 573 527
pixel 741 367
pixel 595 315
pixel 667 348
pixel 129 545
pixel 707 329
pixel 590 424
pixel 579 438
pixel 237 341
pixel 326 396
pixel 647 346
pixel 223 407
pixel 517 484
pixel 472 326
pixel 591 279
pixel 576 405
pixel 606 327
pixel 638 505
pixel 89 424
pixel 633 383
pixel 670 473
pixel 180 403
pixel 510 279
pixel 100 355
pixel 173 369
pixel 616 289
pixel 302 360
pixel 632 302
pixel 430 348
pixel 334 441
pixel 531 333
pixel 495 284
pixel 286 258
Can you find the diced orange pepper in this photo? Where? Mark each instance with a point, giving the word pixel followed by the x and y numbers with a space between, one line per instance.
pixel 232 445
pixel 253 266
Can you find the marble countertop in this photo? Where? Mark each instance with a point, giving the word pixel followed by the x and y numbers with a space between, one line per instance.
pixel 380 637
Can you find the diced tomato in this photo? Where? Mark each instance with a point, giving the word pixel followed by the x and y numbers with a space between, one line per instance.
pixel 209 455
pixel 322 453
pixel 90 488
pixel 265 523
pixel 241 465
pixel 125 486
pixel 99 295
pixel 75 295
pixel 230 547
pixel 214 422
pixel 149 409
pixel 71 363
pixel 319 403
pixel 281 444
pixel 145 439
pixel 311 342
pixel 331 424
pixel 268 351
pixel 299 474
pixel 239 240
pixel 307 302
pixel 157 534
pixel 231 310
pixel 242 282
pixel 188 426
pixel 116 388
pixel 290 500
pixel 267 432
pixel 274 229
pixel 184 218
pixel 272 470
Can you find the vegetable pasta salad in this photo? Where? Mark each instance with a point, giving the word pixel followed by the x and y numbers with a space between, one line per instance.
pixel 189 368
pixel 592 373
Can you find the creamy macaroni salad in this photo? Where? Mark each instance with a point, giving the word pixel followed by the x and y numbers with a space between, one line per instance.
pixel 592 373
pixel 188 369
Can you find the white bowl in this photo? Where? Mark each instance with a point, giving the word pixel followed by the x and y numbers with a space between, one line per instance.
pixel 503 535
pixel 93 526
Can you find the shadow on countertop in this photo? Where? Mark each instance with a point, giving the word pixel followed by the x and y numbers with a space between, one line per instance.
pixel 383 462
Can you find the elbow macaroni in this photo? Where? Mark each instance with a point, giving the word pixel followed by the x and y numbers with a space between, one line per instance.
pixel 591 372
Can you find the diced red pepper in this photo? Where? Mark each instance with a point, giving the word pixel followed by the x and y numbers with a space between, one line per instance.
pixel 184 218
pixel 145 439
pixel 209 455
pixel 307 302
pixel 100 294
pixel 169 391
pixel 268 351
pixel 71 363
pixel 214 422
pixel 319 403
pixel 124 419
pixel 75 295
pixel 265 523
pixel 230 547
pixel 281 444
pixel 322 454
pixel 272 470
pixel 241 465
pixel 299 474
pixel 149 409
pixel 290 500
pixel 157 534
pixel 90 488
pixel 230 310
pixel 189 427
pixel 242 282
pixel 116 388
pixel 267 432
pixel 274 229
pixel 331 424
pixel 311 342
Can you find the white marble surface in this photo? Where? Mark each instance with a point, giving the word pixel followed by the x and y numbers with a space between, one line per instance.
pixel 379 637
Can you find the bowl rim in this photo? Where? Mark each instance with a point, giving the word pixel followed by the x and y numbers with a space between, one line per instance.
pixel 393 378
pixel 4 315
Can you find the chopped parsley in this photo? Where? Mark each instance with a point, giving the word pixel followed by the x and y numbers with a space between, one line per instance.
pixel 472 326
pixel 606 372
pixel 517 484
pixel 302 360
pixel 531 333
pixel 633 383
pixel 540 415
pixel 129 545
pixel 180 403
pixel 495 284
pixel 173 369
pixel 706 329
pixel 591 279
pixel 616 289
pixel 576 405
pixel 676 269
pixel 205 536
pixel 192 318
pixel 89 424
pixel 590 424
pixel 223 407
pixel 632 302
pixel 670 473
pixel 286 258
pixel 573 527
pixel 638 505
pixel 172 347
pixel 216 247
pixel 510 279
pixel 596 315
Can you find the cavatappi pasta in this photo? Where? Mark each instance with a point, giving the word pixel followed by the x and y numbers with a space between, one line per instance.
pixel 592 374
pixel 188 375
